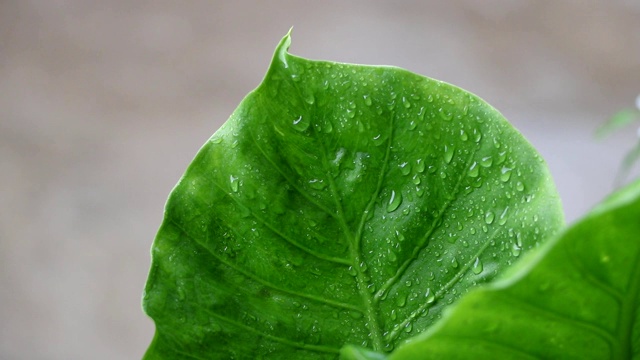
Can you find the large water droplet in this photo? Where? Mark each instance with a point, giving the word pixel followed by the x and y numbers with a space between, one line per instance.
pixel 406 102
pixel 486 161
pixel 367 100
pixel 448 153
pixel 301 123
pixel 505 174
pixel 401 300
pixel 430 297
pixel 408 328
pixel 488 217
pixel 419 165
pixel 473 170
pixel 454 263
pixel 234 183
pixel 477 266
pixel 519 186
pixel 394 201
pixel 463 135
pixel 405 168
pixel 503 216
pixel 516 250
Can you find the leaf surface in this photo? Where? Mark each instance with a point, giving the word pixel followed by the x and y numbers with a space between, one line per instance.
pixel 576 298
pixel 340 204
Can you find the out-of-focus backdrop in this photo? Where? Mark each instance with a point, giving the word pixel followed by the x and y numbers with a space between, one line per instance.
pixel 104 103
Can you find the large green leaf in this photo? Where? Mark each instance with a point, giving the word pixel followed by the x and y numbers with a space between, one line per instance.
pixel 340 204
pixel 575 298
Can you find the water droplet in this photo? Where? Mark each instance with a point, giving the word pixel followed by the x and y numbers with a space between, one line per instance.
pixel 477 266
pixel 352 271
pixel 505 174
pixel 448 153
pixel 477 135
pixel 519 186
pixel 405 168
pixel 445 114
pixel 394 201
pixel 473 170
pixel 317 184
pixel 406 103
pixel 309 98
pixel 416 179
pixel 301 123
pixel 408 328
pixel 515 250
pixel 463 135
pixel 234 183
pixel 486 161
pixel 430 297
pixel 503 216
pixel 328 127
pixel 502 156
pixel 454 263
pixel 488 217
pixel 401 300
pixel 430 98
pixel 367 100
pixel 419 165
pixel 392 256
pixel 379 140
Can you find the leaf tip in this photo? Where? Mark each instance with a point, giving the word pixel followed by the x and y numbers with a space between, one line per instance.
pixel 283 47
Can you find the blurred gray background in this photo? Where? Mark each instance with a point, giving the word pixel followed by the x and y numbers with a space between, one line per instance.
pixel 104 104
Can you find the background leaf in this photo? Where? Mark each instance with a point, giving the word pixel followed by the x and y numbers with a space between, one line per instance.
pixel 578 298
pixel 340 204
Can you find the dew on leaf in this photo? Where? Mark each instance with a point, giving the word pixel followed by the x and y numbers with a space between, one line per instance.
pixel 444 114
pixel 505 174
pixel 405 168
pixel 408 327
pixel 234 183
pixel 515 250
pixel 474 171
pixel 489 217
pixel 503 216
pixel 448 153
pixel 463 135
pixel 419 166
pixel 477 266
pixel 430 297
pixel 301 123
pixel 367 100
pixel 519 186
pixel 394 201
pixel 486 161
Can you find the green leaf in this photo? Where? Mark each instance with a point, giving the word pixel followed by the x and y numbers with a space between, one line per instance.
pixel 619 120
pixel 630 159
pixel 575 298
pixel 340 204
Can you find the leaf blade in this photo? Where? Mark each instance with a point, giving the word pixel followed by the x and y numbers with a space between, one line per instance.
pixel 575 298
pixel 335 199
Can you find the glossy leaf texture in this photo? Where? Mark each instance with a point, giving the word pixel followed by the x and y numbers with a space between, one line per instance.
pixel 340 204
pixel 577 298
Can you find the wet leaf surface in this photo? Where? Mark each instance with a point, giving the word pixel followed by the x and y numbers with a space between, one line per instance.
pixel 340 204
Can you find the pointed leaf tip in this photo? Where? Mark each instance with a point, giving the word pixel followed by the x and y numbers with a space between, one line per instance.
pixel 283 47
